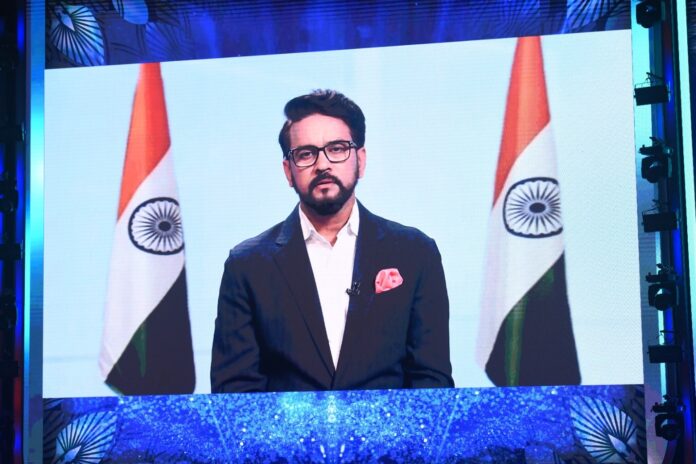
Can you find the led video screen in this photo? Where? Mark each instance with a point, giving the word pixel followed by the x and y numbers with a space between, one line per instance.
pixel 177 249
pixel 436 119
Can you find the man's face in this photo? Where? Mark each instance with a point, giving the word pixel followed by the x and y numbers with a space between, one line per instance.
pixel 324 187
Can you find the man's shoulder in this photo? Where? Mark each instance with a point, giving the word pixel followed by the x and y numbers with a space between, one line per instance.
pixel 396 228
pixel 405 235
pixel 257 246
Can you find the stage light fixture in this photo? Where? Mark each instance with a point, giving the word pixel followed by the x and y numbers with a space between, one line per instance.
pixel 8 194
pixel 649 12
pixel 659 221
pixel 656 163
pixel 653 90
pixel 10 251
pixel 662 291
pixel 9 369
pixel 8 311
pixel 12 133
pixel 669 419
pixel 660 354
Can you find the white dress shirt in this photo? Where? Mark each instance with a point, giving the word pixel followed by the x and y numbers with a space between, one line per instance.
pixel 332 267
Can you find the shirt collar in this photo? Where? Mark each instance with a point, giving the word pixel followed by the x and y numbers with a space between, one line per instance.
pixel 351 227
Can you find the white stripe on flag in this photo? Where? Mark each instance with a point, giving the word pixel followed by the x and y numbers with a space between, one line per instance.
pixel 137 280
pixel 515 263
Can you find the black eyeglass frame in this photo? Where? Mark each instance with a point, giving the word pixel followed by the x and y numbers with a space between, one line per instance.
pixel 351 145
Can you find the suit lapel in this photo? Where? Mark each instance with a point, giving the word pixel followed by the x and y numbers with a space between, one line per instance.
pixel 293 261
pixel 367 249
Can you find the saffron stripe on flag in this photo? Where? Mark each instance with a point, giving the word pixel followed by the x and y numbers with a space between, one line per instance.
pixel 527 106
pixel 148 138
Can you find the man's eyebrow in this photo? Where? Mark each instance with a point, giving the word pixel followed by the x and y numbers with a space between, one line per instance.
pixel 305 146
pixel 317 146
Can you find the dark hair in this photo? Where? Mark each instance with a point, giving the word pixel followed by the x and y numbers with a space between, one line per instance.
pixel 328 103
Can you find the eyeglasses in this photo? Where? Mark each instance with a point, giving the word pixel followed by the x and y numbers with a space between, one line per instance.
pixel 336 152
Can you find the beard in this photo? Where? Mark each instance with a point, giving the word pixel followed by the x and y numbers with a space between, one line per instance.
pixel 326 206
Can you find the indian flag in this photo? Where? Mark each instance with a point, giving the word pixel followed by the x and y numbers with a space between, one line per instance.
pixel 146 344
pixel 525 330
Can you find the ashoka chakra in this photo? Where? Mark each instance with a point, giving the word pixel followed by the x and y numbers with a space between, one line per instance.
pixel 532 208
pixel 155 226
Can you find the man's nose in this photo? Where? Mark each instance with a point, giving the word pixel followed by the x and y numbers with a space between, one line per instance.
pixel 323 162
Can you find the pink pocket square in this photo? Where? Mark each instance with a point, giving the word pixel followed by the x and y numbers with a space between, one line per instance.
pixel 387 279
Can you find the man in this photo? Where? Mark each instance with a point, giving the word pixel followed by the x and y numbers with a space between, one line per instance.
pixel 334 297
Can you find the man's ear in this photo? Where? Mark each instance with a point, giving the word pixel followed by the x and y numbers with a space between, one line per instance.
pixel 362 161
pixel 288 173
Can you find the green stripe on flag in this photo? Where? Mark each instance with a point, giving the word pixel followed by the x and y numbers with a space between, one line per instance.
pixel 139 341
pixel 514 326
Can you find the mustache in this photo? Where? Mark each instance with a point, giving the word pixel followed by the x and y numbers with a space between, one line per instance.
pixel 322 177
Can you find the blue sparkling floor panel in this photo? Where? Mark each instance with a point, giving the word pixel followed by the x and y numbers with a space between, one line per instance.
pixel 492 425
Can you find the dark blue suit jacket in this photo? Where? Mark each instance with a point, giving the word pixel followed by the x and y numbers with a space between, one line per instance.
pixel 269 331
